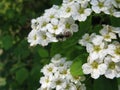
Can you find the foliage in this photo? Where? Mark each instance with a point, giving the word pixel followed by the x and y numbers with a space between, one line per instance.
pixel 20 64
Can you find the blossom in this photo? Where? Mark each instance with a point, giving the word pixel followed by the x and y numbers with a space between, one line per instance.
pixel 49 69
pixel 68 25
pixel 46 82
pixel 116 3
pixel 114 51
pixel 100 5
pixel 112 68
pixel 57 76
pixel 97 48
pixel 81 12
pixel 107 34
pixel 86 39
pixel 95 68
pixel 67 10
pixel 33 38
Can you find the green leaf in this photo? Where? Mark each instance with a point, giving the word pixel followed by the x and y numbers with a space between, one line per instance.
pixel 21 50
pixel 76 67
pixel 43 52
pixel 85 26
pixel 7 42
pixel 103 83
pixel 56 2
pixel 22 75
pixel 115 21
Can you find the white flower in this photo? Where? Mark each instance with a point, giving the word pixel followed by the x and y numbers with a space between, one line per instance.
pixel 100 5
pixel 97 40
pixel 57 76
pixel 68 24
pixel 116 3
pixel 69 86
pixel 43 22
pixel 41 88
pixel 95 68
pixel 77 79
pixel 44 39
pixel 52 37
pixel 56 58
pixel 68 64
pixel 97 49
pixel 61 63
pixel 46 81
pixel 63 72
pixel 83 2
pixel 81 13
pixel 112 11
pixel 114 51
pixel 67 10
pixel 54 28
pixel 81 87
pixel 35 24
pixel 68 1
pixel 33 38
pixel 108 35
pixel 58 83
pixel 86 39
pixel 49 69
pixel 51 13
pixel 112 68
pixel 111 29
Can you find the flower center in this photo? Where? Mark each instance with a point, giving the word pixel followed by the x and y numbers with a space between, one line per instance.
pixel 67 87
pixel 35 37
pixel 97 48
pixel 44 36
pixel 81 10
pixel 47 80
pixel 55 27
pixel 58 82
pixel 44 24
pixel 67 26
pixel 51 16
pixel 76 77
pixel 94 65
pixel 50 69
pixel 111 65
pixel 68 9
pixel 117 51
pixel 107 36
pixel 101 4
pixel 64 72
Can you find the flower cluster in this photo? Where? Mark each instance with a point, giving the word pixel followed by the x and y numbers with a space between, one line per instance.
pixel 104 52
pixel 51 28
pixel 57 76
pixel 58 23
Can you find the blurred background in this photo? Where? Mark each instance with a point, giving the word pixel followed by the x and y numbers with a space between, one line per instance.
pixel 20 64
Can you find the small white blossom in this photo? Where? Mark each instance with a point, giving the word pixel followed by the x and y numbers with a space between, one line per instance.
pixel 81 13
pixel 33 38
pixel 108 35
pixel 112 68
pixel 67 10
pixel 95 68
pixel 86 39
pixel 49 69
pixel 100 5
pixel 114 51
pixel 57 76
